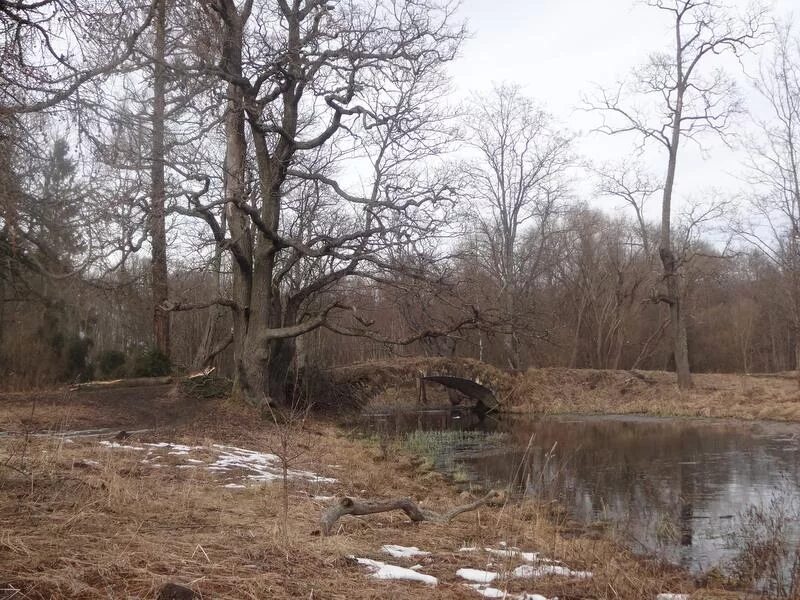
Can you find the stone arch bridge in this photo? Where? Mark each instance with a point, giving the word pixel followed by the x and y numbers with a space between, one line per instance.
pixel 482 384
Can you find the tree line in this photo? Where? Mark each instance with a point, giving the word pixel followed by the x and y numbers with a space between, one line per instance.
pixel 274 187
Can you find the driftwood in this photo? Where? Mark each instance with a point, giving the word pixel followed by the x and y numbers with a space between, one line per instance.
pixel 353 506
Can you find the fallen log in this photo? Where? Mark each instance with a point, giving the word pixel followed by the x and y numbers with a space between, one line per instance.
pixel 139 381
pixel 353 506
pixel 122 383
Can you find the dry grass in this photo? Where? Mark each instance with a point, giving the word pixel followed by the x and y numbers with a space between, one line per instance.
pixel 122 528
pixel 775 397
pixel 559 390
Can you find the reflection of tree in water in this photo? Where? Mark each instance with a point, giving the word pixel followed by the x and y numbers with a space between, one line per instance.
pixel 665 482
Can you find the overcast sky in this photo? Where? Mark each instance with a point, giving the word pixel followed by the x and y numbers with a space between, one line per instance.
pixel 559 49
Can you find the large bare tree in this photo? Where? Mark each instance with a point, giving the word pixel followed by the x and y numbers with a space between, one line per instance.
pixel 324 100
pixel 688 97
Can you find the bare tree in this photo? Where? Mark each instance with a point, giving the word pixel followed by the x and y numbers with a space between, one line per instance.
pixel 688 100
pixel 313 86
pixel 774 162
pixel 51 48
pixel 518 185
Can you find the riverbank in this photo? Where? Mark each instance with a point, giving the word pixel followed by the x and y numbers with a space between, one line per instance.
pixel 198 500
pixel 587 391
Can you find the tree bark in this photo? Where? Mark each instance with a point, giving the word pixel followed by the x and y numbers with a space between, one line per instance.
pixel 671 282
pixel 158 236
pixel 248 383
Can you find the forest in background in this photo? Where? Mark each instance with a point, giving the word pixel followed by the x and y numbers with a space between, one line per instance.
pixel 275 187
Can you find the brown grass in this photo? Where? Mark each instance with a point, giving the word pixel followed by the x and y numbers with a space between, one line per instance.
pixel 775 397
pixel 561 390
pixel 123 529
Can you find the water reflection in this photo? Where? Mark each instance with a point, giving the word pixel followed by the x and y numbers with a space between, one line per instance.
pixel 672 487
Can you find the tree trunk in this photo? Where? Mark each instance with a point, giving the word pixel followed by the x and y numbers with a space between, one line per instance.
pixel 279 373
pixel 573 361
pixel 680 349
pixel 158 236
pixel 248 383
pixel 511 340
pixel 206 351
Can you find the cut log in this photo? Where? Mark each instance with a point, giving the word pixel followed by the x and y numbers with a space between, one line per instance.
pixel 353 506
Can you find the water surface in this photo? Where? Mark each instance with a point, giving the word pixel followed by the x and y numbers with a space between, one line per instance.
pixel 677 488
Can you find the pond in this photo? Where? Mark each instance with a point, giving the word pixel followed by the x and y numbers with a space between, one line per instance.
pixel 694 492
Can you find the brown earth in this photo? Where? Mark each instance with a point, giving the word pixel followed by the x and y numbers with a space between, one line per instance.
pixel 83 520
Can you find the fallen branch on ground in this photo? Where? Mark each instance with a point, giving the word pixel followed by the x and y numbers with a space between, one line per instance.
pixel 138 381
pixel 353 506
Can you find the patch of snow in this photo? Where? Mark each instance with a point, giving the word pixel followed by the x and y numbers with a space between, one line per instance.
pixel 403 551
pixel 526 556
pixel 468 549
pixel 490 592
pixel 262 466
pixel 323 498
pixel 382 570
pixel 171 446
pixel 237 486
pixel 477 575
pixel 68 441
pixel 122 446
pixel 672 597
pixel 257 466
pixel 486 591
pixel 528 571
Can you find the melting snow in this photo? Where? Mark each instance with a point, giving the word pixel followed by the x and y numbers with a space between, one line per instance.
pixel 490 592
pixel 257 466
pixel 262 466
pixel 122 446
pixel 672 597
pixel 381 570
pixel 403 551
pixel 486 591
pixel 542 570
pixel 477 575
pixel 526 556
